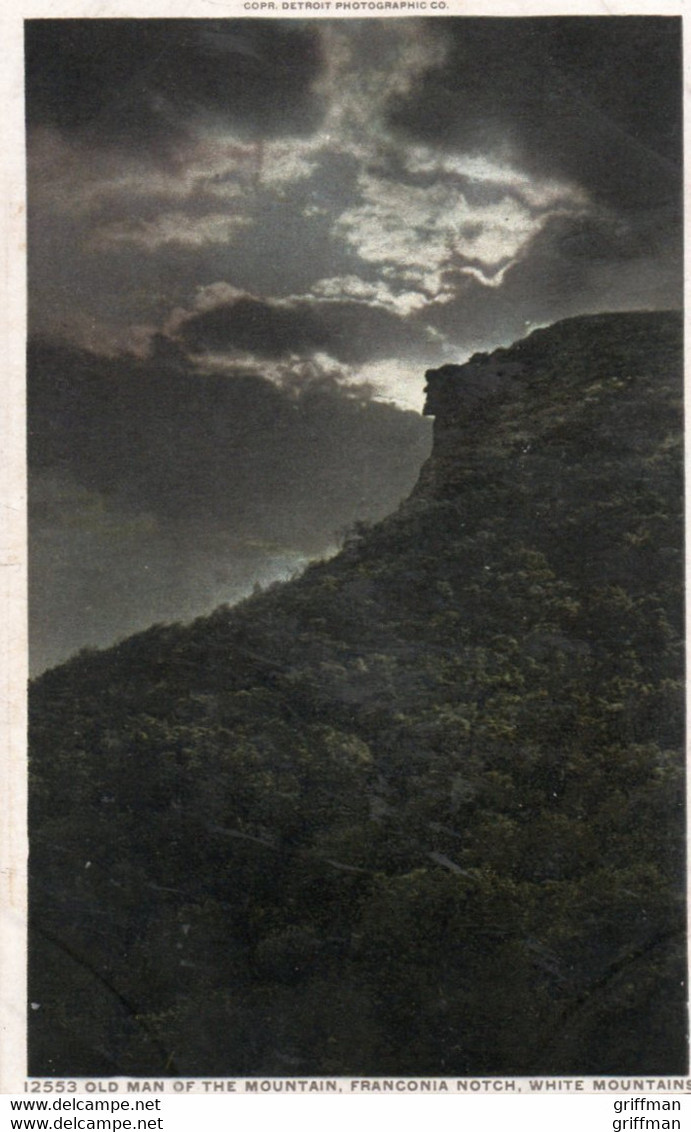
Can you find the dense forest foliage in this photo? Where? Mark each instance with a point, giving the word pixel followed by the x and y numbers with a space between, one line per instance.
pixel 419 811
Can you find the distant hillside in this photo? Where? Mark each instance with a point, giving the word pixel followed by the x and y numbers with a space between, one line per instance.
pixel 420 811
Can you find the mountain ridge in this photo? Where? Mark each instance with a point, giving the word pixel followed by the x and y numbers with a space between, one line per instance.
pixel 351 804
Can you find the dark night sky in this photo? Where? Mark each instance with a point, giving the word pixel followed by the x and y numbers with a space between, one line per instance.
pixel 249 238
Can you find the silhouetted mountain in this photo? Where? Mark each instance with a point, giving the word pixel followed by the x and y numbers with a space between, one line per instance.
pixel 421 810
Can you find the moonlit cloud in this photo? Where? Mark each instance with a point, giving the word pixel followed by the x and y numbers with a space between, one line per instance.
pixel 435 231
pixel 171 228
pixel 437 218
pixel 248 240
pixel 367 66
pixel 410 189
pixel 379 294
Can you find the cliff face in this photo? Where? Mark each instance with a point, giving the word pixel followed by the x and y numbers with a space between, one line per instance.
pixel 583 389
pixel 579 427
pixel 419 811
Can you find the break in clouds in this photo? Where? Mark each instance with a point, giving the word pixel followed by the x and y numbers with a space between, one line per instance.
pixel 232 222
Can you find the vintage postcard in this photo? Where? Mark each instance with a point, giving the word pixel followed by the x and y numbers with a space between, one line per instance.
pixel 347 341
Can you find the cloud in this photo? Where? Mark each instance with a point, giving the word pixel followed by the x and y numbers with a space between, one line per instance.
pixel 350 330
pixel 171 228
pixel 165 438
pixel 571 270
pixel 426 234
pixel 145 84
pixel 396 180
pixel 590 101
pixel 368 64
pixel 340 288
pixel 158 491
pixel 383 164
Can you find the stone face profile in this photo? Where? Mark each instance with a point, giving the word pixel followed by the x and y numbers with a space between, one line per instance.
pixel 453 389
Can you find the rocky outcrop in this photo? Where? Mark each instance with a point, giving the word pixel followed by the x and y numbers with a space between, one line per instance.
pixel 578 392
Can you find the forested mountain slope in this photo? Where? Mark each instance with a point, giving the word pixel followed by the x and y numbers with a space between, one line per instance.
pixel 421 810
